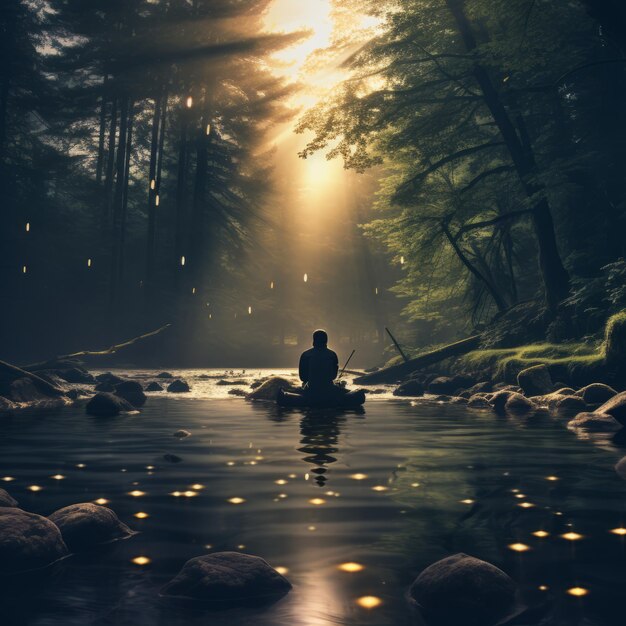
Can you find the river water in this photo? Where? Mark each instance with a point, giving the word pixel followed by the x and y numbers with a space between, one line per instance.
pixel 392 489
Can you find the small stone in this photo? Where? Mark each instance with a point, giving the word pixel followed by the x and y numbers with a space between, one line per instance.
pixel 517 403
pixel 154 386
pixel 86 525
pixel 28 541
pixel 463 590
pixel 229 577
pixel 164 375
pixel 107 405
pixel 181 434
pixel 171 458
pixel 238 392
pixel 178 386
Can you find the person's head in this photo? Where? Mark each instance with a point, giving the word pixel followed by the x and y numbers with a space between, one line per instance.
pixel 320 338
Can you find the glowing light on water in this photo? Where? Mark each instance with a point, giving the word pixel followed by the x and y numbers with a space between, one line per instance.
pixel 189 102
pixel 317 501
pixel 102 501
pixel 58 477
pixel 467 501
pixel 283 571
pixel 230 463
pixel 351 567
pixel 552 478
pixel 8 479
pixel 81 466
pixel 272 285
pixel 282 496
pixel 619 531
pixel 34 488
pixel 520 495
pixel 358 476
pixel 136 493
pixel 236 500
pixel 141 560
pixel 306 278
pixel 280 481
pixel 196 486
pixel 150 467
pixel 526 505
pixel 543 587
pixel 380 488
pixel 415 484
pixel 182 260
pixel 241 546
pixel 311 528
pixel 541 534
pixel 141 515
pixel 572 536
pixel 578 592
pixel 369 602
pixel 519 547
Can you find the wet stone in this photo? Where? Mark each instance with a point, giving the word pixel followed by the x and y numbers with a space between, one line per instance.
pixel 154 386
pixel 181 434
pixel 6 499
pixel 594 422
pixel 132 392
pixel 107 405
pixel 178 386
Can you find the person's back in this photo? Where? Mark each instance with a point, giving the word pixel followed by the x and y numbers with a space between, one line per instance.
pixel 318 365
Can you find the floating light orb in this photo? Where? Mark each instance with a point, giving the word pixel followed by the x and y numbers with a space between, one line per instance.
pixel 292 476
pixel 306 278
pixel 552 478
pixel 415 484
pixel 23 269
pixel 241 546
pixel 27 227
pixel 193 291
pixel 401 260
pixel 190 494
pixel 541 534
pixel 189 102
pixel 230 463
pixel 543 587
pixel 182 260
pixel 282 496
pixel 376 290
pixel 249 310
pixel 150 467
pixel 280 481
pixel 619 531
pixel 526 505
pixel 196 486
pixel 283 571
pixel 358 476
pixel 176 494
pixel 152 184
pixel 208 129
pixel 369 602
pixel 351 567
pixel 236 500
pixel 58 477
pixel 102 501
pixel 157 201
pixel 578 592
pixel 520 495
pixel 572 536
pixel 141 560
pixel 136 493
pixel 34 488
pixel 380 488
pixel 519 547
pixel 311 528
pixel 317 501
pixel 88 262
pixel 81 466
pixel 467 501
pixel 141 515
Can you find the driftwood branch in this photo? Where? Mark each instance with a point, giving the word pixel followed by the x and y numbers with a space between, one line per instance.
pixel 12 372
pixel 397 372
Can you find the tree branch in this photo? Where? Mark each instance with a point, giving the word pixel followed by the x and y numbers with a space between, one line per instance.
pixel 496 170
pixel 496 220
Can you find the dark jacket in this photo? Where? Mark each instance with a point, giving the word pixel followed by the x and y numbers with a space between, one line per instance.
pixel 318 367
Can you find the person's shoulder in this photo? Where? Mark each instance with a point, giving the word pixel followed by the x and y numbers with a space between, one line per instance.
pixel 306 352
pixel 332 353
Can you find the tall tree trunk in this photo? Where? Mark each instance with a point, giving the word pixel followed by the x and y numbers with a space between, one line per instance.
pixel 152 191
pixel 181 191
pixel 118 200
pixel 122 234
pixel 197 223
pixel 554 275
pixel 110 171
pixel 101 133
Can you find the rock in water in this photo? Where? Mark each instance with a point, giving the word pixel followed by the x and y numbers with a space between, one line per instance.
pixel 28 541
pixel 499 399
pixel 269 389
pixel 411 388
pixel 76 375
pixel 569 406
pixel 132 392
pixel 227 576
pixel 154 386
pixel 517 403
pixel 6 499
pixel 25 390
pixel 615 407
pixel 109 377
pixel 164 375
pixel 535 381
pixel 84 526
pixel 596 393
pixel 478 401
pixel 6 406
pixel 181 434
pixel 463 591
pixel 594 422
pixel 107 405
pixel 178 386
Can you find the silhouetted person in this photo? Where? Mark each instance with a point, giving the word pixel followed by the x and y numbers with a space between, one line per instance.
pixel 319 366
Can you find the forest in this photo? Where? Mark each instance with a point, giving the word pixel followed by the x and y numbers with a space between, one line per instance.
pixel 482 187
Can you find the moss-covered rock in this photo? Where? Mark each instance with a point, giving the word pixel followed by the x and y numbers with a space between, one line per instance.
pixel 615 340
pixel 535 381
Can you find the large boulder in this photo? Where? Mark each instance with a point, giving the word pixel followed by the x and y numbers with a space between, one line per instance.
pixel 6 499
pixel 105 386
pixel 28 541
pixel 178 386
pixel 615 407
pixel 154 386
pixel 594 422
pixel 499 399
pixel 110 378
pixel 132 392
pixel 25 390
pixel 596 393
pixel 269 389
pixel 535 381
pixel 84 526
pixel 107 405
pixel 568 406
pixel 227 577
pixel 463 590
pixel 410 388
pixel 76 375
pixel 519 404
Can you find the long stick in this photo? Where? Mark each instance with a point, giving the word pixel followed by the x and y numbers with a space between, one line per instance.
pixel 397 345
pixel 343 369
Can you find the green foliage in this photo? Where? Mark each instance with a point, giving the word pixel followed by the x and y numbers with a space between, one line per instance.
pixel 615 339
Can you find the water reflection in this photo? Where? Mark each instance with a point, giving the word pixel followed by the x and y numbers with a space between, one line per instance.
pixel 320 438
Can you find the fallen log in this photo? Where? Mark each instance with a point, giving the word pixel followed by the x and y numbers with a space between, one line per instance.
pixel 9 373
pixel 398 372
pixel 53 363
